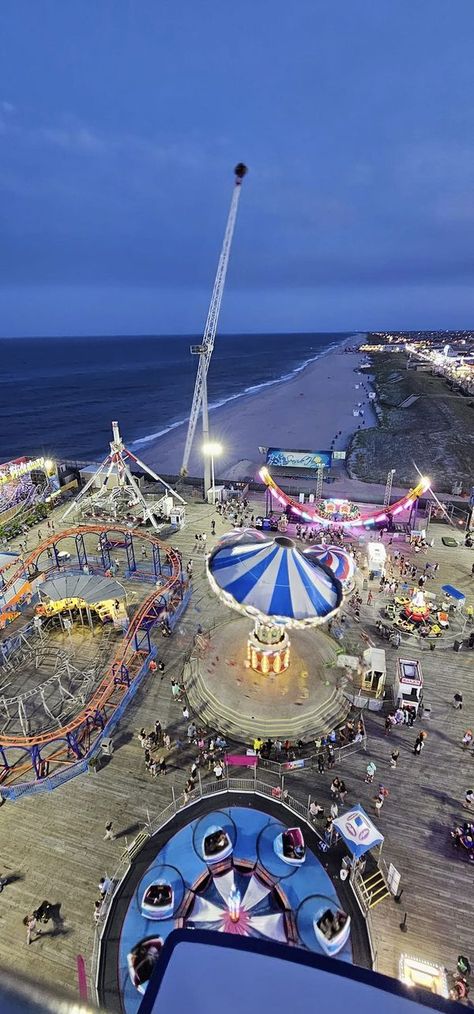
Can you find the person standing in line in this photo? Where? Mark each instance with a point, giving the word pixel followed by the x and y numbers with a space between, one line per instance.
pixel 31 927
pixel 105 885
pixel 109 834
pixel 394 758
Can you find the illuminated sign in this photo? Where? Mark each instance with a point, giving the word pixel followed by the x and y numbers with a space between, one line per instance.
pixel 280 458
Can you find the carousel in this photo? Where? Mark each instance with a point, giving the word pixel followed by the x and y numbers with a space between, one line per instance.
pixel 278 587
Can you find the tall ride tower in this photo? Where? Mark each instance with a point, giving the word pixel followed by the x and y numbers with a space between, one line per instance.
pixel 204 351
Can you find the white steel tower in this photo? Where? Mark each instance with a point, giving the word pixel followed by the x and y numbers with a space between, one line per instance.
pixel 204 351
pixel 118 458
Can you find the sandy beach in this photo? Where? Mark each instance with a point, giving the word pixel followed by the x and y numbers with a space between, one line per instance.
pixel 304 413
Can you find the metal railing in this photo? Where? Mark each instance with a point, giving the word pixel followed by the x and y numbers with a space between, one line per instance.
pixel 285 767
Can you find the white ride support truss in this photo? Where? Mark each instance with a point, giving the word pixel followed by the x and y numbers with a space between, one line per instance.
pixel 204 351
pixel 112 500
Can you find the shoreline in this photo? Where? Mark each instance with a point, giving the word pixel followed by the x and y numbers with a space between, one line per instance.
pixel 278 416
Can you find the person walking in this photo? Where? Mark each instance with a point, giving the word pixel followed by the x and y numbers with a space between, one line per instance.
pixel 31 927
pixel 342 791
pixel 419 744
pixel 175 691
pixel 457 701
pixel 469 799
pixel 369 597
pixel 167 741
pixel 109 834
pixel 186 712
pixel 394 758
pixel 218 770
pixel 97 912
pixel 163 768
pixel 370 769
pixel 321 763
pixel 335 787
pixel 380 798
pixel 334 810
pixel 467 739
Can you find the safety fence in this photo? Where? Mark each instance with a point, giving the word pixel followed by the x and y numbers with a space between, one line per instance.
pixel 285 767
pixel 253 786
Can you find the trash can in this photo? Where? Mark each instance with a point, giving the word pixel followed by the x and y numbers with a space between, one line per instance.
pixel 457 645
pixel 107 746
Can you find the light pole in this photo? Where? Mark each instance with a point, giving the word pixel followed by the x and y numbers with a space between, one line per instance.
pixel 212 449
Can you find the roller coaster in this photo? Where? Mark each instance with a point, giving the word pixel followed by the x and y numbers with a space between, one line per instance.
pixel 314 512
pixel 27 760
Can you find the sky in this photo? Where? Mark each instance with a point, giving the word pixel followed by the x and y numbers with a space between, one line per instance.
pixel 121 122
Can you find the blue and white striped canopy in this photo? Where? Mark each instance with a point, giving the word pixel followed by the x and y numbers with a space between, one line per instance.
pixel 337 559
pixel 273 579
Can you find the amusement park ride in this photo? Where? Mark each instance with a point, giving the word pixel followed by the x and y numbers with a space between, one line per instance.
pixel 205 349
pixel 342 512
pixel 125 499
pixel 42 744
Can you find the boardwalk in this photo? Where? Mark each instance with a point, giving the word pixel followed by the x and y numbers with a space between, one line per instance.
pixel 52 846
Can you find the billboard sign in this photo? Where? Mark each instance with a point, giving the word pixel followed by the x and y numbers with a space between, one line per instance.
pixel 281 458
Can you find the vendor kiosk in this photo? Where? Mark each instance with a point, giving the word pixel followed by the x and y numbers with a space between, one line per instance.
pixel 376 558
pixel 408 686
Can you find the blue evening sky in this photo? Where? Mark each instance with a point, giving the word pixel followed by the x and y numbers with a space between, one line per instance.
pixel 120 124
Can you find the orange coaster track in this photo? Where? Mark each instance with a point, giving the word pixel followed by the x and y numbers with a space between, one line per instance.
pixel 128 659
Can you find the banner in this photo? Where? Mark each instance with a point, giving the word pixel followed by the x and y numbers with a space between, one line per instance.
pixel 281 458
pixel 243 761
pixel 292 765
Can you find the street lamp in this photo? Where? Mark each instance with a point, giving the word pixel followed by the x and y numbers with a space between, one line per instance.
pixel 212 449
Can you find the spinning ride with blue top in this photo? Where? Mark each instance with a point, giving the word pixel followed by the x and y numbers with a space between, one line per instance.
pixel 272 582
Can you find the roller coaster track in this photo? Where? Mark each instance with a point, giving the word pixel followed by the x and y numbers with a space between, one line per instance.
pixel 169 591
pixel 310 513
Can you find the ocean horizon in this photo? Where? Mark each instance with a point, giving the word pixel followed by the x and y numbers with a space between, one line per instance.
pixel 58 396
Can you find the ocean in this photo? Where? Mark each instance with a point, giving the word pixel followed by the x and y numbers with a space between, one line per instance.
pixel 59 395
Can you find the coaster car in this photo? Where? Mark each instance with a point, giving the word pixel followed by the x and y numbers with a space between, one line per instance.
pixel 216 845
pixel 158 900
pixel 331 927
pixel 290 846
pixel 142 960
